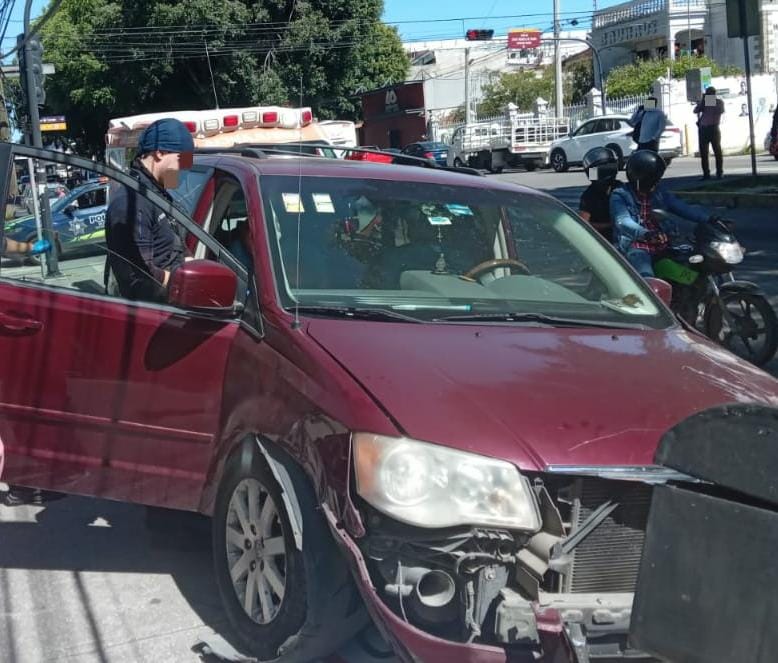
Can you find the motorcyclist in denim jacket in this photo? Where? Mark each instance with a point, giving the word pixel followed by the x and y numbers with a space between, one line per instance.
pixel 639 236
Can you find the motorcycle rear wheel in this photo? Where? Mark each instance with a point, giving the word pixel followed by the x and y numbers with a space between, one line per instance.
pixel 753 336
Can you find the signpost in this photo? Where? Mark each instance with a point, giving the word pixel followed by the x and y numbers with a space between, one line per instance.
pixel 54 123
pixel 743 21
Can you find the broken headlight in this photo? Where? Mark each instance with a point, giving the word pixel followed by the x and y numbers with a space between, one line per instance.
pixel 428 485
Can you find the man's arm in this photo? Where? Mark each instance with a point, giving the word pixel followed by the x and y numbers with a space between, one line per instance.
pixel 680 208
pixel 135 272
pixel 623 218
pixel 144 240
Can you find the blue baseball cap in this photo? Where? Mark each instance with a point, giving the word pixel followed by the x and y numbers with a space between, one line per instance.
pixel 166 135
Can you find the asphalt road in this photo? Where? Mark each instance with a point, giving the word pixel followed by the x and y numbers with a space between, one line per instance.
pixel 85 581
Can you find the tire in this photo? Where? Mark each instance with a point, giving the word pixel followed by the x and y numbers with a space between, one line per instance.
pixel 306 613
pixel 559 161
pixel 458 163
pixel 741 341
pixel 530 166
pixel 619 154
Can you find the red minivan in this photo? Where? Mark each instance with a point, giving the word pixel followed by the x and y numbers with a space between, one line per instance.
pixel 428 394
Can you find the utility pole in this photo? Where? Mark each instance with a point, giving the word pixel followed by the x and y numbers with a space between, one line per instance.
pixel 747 57
pixel 33 82
pixel 558 91
pixel 468 117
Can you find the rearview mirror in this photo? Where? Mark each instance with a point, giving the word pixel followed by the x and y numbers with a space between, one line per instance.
pixel 661 289
pixel 205 286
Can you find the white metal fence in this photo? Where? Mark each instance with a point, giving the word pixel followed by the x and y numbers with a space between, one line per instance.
pixel 573 116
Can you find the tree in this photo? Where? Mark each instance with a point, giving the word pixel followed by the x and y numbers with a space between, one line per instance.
pixel 521 87
pixel 579 79
pixel 636 79
pixel 117 58
pixel 525 86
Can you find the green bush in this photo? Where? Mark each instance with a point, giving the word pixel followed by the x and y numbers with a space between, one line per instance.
pixel 637 78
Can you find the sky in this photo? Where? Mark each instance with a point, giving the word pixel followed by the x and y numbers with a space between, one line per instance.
pixel 440 19
pixel 17 23
pixel 433 19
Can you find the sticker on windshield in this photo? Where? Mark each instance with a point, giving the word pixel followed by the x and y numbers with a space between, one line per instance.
pixel 459 210
pixel 292 203
pixel 323 203
pixel 439 220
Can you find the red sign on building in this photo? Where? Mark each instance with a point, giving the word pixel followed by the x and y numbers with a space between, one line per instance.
pixel 519 39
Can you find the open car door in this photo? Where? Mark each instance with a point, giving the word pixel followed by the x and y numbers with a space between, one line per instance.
pixel 104 396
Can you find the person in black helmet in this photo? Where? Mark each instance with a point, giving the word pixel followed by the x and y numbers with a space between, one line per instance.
pixel 601 166
pixel 636 233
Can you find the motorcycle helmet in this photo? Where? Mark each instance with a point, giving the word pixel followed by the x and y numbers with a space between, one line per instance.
pixel 644 170
pixel 601 164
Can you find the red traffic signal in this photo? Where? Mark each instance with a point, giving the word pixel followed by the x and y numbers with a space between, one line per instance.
pixel 479 35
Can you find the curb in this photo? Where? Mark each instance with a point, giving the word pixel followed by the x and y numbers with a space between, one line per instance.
pixel 727 199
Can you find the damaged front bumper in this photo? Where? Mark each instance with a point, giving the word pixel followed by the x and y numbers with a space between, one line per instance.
pixel 563 594
pixel 414 645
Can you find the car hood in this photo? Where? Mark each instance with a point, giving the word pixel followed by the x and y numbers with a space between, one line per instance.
pixel 540 397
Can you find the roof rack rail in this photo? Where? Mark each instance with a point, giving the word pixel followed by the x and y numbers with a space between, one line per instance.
pixel 263 151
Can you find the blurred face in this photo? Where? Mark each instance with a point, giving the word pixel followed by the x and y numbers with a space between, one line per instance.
pixel 166 166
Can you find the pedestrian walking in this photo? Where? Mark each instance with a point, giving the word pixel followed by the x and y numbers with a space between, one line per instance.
pixel 648 123
pixel 709 111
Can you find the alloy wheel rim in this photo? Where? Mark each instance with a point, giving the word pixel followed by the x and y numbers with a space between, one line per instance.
pixel 256 551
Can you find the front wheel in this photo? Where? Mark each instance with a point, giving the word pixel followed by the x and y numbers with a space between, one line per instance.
pixel 752 331
pixel 458 163
pixel 280 600
pixel 559 161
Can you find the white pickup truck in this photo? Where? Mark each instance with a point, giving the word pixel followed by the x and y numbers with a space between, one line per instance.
pixel 512 141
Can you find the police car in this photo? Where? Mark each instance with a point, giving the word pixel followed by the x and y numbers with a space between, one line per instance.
pixel 78 219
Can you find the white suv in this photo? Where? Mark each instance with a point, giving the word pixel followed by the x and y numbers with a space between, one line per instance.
pixel 611 131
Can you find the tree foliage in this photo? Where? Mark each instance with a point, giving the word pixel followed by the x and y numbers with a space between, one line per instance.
pixel 525 86
pixel 637 78
pixel 117 58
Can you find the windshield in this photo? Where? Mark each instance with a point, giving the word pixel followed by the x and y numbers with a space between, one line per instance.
pixel 434 251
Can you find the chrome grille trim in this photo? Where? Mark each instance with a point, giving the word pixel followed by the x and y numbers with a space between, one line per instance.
pixel 646 473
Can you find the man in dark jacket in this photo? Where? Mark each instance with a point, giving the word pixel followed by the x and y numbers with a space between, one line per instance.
pixel 143 248
pixel 709 111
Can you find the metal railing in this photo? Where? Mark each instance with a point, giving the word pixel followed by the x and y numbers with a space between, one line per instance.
pixel 629 11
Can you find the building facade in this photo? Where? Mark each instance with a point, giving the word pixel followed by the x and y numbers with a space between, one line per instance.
pixel 441 65
pixel 647 29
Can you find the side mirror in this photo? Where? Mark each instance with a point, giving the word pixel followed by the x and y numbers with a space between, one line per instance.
pixel 661 289
pixel 204 285
pixel 70 209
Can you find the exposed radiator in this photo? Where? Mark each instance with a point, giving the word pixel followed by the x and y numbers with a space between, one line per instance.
pixel 608 560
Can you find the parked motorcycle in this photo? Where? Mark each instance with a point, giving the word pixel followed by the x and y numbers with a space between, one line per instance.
pixel 707 295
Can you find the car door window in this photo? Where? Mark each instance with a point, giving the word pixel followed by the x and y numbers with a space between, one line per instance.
pixel 79 237
pixel 585 129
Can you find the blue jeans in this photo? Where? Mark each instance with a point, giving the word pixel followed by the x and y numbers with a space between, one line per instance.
pixel 642 261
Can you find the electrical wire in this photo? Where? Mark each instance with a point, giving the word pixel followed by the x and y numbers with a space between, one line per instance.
pixel 34 29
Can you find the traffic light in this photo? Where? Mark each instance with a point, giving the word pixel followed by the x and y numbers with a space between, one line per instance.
pixel 479 35
pixel 32 57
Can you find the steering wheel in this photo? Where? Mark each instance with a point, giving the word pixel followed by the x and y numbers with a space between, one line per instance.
pixel 489 265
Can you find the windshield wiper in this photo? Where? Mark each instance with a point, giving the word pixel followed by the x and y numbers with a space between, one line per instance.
pixel 539 318
pixel 358 313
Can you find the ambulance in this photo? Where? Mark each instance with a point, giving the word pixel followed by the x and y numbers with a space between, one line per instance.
pixel 268 126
